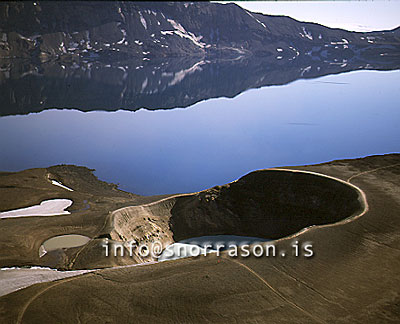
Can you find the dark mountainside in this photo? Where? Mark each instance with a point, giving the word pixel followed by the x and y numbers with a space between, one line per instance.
pixel 129 55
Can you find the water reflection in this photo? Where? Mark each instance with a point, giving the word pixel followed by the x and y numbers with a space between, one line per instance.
pixel 157 84
pixel 215 141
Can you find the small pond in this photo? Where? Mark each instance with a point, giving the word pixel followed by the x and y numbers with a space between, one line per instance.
pixel 63 242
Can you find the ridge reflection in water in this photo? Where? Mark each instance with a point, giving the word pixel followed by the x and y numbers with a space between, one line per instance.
pixel 215 141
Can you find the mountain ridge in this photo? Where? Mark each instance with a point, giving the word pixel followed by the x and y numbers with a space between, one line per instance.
pixel 120 30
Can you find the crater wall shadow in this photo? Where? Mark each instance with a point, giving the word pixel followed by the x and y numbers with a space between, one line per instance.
pixel 269 204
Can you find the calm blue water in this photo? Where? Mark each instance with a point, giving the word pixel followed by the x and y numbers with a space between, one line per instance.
pixel 216 141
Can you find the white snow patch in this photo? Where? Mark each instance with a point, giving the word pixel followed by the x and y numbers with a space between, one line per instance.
pixel 306 33
pixel 144 84
pixel 180 31
pixel 46 208
pixel 142 20
pixel 56 183
pixel 121 14
pixel 167 32
pixel 305 70
pixel 62 47
pixel 176 25
pixel 295 50
pixel 343 42
pixel 123 31
pixel 14 279
pixel 42 251
pixel 261 23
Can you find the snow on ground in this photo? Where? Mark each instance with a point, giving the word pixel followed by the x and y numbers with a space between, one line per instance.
pixel 262 24
pixel 307 33
pixel 46 208
pixel 305 70
pixel 13 279
pixel 144 85
pixel 56 183
pixel 181 32
pixel 343 42
pixel 123 31
pixel 142 20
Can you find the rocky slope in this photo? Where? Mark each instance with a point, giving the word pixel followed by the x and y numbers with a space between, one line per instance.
pixel 118 30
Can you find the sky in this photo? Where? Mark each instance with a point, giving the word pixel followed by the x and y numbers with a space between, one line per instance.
pixel 350 15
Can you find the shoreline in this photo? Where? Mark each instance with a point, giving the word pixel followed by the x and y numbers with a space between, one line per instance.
pixel 337 248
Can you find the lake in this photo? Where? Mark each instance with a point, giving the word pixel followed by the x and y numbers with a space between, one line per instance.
pixel 218 140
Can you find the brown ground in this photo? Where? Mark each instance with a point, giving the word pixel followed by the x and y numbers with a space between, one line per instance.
pixel 22 237
pixel 353 277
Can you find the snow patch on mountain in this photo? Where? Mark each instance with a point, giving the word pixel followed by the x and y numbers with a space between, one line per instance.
pixel 142 20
